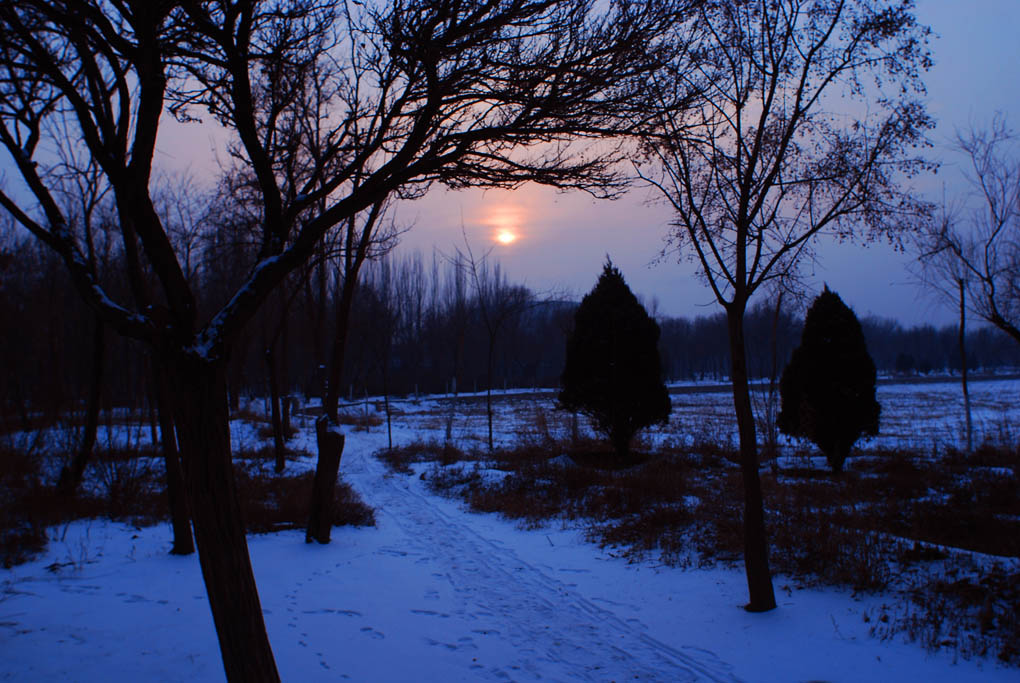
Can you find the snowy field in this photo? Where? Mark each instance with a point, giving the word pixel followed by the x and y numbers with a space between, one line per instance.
pixel 434 593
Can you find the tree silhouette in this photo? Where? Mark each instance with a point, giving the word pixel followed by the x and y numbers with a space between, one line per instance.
pixel 828 389
pixel 612 372
pixel 770 160
pixel 984 246
pixel 331 109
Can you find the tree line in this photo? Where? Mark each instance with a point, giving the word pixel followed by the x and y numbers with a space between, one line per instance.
pixel 417 328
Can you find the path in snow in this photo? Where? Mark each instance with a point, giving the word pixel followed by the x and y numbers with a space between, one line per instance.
pixel 553 629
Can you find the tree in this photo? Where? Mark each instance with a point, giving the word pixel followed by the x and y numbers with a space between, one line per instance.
pixel 975 262
pixel 612 371
pixel 828 389
pixel 947 276
pixel 984 251
pixel 361 240
pixel 332 108
pixel 82 201
pixel 809 117
pixel 497 303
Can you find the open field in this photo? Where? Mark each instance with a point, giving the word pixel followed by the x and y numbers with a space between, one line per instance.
pixel 915 415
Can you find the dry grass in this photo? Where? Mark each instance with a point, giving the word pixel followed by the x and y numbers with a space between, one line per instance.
pixel 276 502
pixel 361 421
pixel 125 488
pixel 400 459
pixel 128 485
pixel 24 508
pixel 266 432
pixel 971 611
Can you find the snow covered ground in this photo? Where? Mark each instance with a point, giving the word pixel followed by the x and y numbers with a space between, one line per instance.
pixel 434 593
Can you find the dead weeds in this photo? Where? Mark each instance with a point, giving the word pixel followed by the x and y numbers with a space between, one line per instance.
pixel 128 485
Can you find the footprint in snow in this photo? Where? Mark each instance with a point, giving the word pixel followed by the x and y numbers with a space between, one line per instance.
pixel 429 613
pixel 330 610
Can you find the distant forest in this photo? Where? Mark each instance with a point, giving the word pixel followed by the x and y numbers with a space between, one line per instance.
pixel 419 324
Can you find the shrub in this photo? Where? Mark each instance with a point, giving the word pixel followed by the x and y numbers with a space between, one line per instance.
pixel 612 372
pixel 24 512
pixel 272 502
pixel 828 389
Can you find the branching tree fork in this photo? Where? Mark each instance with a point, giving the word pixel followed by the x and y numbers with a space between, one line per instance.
pixel 333 108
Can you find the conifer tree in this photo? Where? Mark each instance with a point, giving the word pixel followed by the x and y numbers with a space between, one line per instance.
pixel 828 389
pixel 612 372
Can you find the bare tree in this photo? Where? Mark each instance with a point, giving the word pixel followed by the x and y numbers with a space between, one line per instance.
pixel 810 112
pixel 497 303
pixel 360 240
pixel 83 191
pixel 984 247
pixel 941 272
pixel 350 104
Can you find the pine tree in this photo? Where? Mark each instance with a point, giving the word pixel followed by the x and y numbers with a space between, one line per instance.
pixel 612 372
pixel 828 389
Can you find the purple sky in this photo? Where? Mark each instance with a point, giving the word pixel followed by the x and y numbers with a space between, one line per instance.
pixel 564 237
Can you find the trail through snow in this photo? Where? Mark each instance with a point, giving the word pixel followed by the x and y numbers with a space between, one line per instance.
pixel 498 595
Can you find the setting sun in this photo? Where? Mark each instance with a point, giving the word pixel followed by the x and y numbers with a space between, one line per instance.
pixel 505 237
pixel 505 221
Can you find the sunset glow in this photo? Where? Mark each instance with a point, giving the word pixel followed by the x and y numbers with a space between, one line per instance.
pixel 504 219
pixel 505 237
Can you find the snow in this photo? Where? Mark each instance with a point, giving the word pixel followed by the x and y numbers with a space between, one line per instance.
pixel 436 593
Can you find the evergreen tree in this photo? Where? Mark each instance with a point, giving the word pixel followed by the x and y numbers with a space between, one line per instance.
pixel 828 389
pixel 612 372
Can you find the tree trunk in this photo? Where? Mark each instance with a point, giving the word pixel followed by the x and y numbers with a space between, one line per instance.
pixel 488 387
pixel 963 364
pixel 235 372
pixel 756 561
pixel 199 396
pixel 177 500
pixel 287 401
pixel 328 437
pixel 620 440
pixel 283 377
pixel 234 391
pixel 153 416
pixel 772 437
pixel 330 442
pixel 71 474
pixel 837 457
pixel 279 447
pixel 386 398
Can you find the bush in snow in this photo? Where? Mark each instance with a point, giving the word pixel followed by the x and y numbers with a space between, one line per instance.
pixel 828 389
pixel 612 372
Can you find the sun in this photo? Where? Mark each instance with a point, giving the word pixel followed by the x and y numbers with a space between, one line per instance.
pixel 506 237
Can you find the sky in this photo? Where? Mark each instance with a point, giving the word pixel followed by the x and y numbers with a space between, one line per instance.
pixel 562 239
